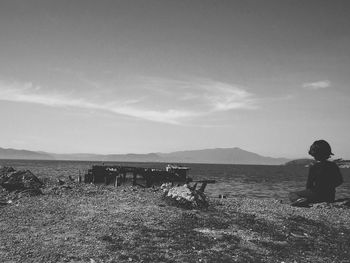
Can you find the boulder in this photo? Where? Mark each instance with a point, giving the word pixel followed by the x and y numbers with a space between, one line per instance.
pixel 13 180
pixel 184 196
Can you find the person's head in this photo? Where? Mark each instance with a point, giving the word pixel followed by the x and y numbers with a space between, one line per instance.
pixel 320 150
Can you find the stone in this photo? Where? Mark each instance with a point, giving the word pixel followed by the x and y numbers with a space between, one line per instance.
pixel 13 180
pixel 184 196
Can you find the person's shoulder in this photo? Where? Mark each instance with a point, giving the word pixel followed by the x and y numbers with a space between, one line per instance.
pixel 314 165
pixel 323 164
pixel 331 164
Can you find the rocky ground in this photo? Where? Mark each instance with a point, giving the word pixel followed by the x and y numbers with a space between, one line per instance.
pixel 87 223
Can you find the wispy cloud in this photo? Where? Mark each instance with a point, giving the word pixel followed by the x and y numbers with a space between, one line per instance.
pixel 204 95
pixel 224 97
pixel 154 99
pixel 323 84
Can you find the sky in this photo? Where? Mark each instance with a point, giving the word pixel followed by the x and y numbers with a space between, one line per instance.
pixel 82 76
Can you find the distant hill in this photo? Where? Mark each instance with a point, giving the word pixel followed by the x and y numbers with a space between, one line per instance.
pixel 130 157
pixel 23 154
pixel 218 155
pixel 221 156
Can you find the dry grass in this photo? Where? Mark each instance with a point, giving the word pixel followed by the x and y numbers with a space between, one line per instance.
pixel 87 223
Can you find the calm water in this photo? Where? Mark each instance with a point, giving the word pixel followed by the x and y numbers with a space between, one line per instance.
pixel 231 180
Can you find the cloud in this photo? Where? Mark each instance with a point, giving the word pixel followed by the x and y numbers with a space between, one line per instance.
pixel 224 97
pixel 153 99
pixel 323 84
pixel 202 95
pixel 25 93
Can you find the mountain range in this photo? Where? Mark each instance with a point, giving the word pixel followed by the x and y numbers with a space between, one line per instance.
pixel 217 155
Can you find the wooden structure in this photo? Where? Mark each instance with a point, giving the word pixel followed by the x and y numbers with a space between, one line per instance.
pixel 115 174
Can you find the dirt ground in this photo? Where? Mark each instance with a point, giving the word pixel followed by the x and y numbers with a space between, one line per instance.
pixel 88 223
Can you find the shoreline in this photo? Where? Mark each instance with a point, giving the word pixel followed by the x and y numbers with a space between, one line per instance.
pixel 88 223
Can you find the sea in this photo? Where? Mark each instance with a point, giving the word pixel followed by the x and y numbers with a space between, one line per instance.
pixel 232 181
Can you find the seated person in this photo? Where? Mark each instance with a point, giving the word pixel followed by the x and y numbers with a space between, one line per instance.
pixel 324 177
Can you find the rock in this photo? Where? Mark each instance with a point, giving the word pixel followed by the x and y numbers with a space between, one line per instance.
pixel 184 196
pixel 13 180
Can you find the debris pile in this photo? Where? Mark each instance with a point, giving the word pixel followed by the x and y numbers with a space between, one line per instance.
pixel 23 182
pixel 184 196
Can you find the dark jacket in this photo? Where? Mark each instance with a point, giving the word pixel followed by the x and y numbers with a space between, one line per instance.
pixel 323 178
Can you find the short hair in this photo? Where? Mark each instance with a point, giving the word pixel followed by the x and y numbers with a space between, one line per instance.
pixel 321 150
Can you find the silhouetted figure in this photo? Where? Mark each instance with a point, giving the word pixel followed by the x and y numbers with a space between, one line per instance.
pixel 324 177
